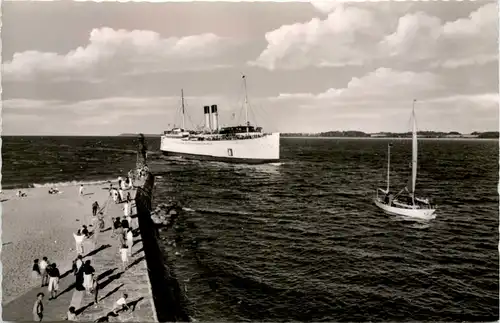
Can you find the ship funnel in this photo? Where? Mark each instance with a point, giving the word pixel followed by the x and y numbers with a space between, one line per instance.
pixel 215 118
pixel 206 110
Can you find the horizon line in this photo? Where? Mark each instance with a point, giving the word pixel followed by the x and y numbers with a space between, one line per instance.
pixel 281 132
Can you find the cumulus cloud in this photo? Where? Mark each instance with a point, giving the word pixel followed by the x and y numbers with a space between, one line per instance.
pixel 119 51
pixel 385 96
pixel 353 35
pixel 381 85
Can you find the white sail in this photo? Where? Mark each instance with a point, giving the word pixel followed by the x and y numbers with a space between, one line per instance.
pixel 414 152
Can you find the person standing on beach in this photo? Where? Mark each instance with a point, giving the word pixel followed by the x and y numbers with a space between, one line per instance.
pixel 95 208
pixel 88 275
pixel 79 242
pixel 81 190
pixel 38 308
pixel 43 271
pixel 35 273
pixel 54 276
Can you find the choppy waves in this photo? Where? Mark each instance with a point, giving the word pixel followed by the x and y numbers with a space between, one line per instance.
pixel 304 242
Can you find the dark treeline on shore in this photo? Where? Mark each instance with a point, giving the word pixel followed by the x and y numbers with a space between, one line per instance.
pixel 360 134
pixel 421 134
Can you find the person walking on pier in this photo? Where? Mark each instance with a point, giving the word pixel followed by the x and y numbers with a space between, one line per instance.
pixel 124 255
pixel 38 308
pixel 130 241
pixel 54 276
pixel 35 273
pixel 88 275
pixel 79 242
pixel 95 290
pixel 43 271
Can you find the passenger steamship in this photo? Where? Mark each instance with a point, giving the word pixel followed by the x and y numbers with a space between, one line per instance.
pixel 237 144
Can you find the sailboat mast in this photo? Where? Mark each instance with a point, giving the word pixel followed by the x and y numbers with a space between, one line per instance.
pixel 414 153
pixel 183 114
pixel 246 101
pixel 388 166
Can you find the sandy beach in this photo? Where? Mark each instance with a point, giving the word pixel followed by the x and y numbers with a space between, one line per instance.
pixel 39 225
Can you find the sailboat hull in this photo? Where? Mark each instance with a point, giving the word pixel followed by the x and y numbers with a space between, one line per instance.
pixel 424 214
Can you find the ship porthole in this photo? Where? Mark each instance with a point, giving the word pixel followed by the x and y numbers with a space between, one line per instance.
pixel 230 152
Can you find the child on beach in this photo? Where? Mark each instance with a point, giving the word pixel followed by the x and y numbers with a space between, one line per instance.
pixel 81 190
pixel 43 271
pixel 71 315
pixel 121 304
pixel 35 274
pixel 54 275
pixel 124 254
pixel 38 308
pixel 79 242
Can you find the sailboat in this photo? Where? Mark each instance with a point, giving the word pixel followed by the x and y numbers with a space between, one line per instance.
pixel 405 202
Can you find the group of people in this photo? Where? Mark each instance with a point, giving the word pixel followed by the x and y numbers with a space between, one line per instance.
pixel 54 190
pixel 49 275
pixel 123 232
pixel 84 272
pixel 84 276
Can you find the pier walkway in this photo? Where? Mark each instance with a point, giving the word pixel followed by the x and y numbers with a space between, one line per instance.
pixel 113 282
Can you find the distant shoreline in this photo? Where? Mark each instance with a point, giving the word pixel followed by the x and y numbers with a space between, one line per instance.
pixel 384 138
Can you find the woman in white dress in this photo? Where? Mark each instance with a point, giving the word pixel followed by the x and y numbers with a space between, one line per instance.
pixel 88 275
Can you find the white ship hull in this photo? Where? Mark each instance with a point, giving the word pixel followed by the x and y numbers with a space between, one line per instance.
pixel 263 149
pixel 424 214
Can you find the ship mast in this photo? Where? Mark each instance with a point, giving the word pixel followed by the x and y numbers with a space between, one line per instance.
pixel 183 115
pixel 246 101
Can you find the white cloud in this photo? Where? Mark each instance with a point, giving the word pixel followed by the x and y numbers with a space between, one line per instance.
pixel 119 51
pixel 382 99
pixel 381 85
pixel 352 35
pixel 334 41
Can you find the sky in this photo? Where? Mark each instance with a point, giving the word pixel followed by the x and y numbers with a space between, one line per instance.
pixel 87 68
